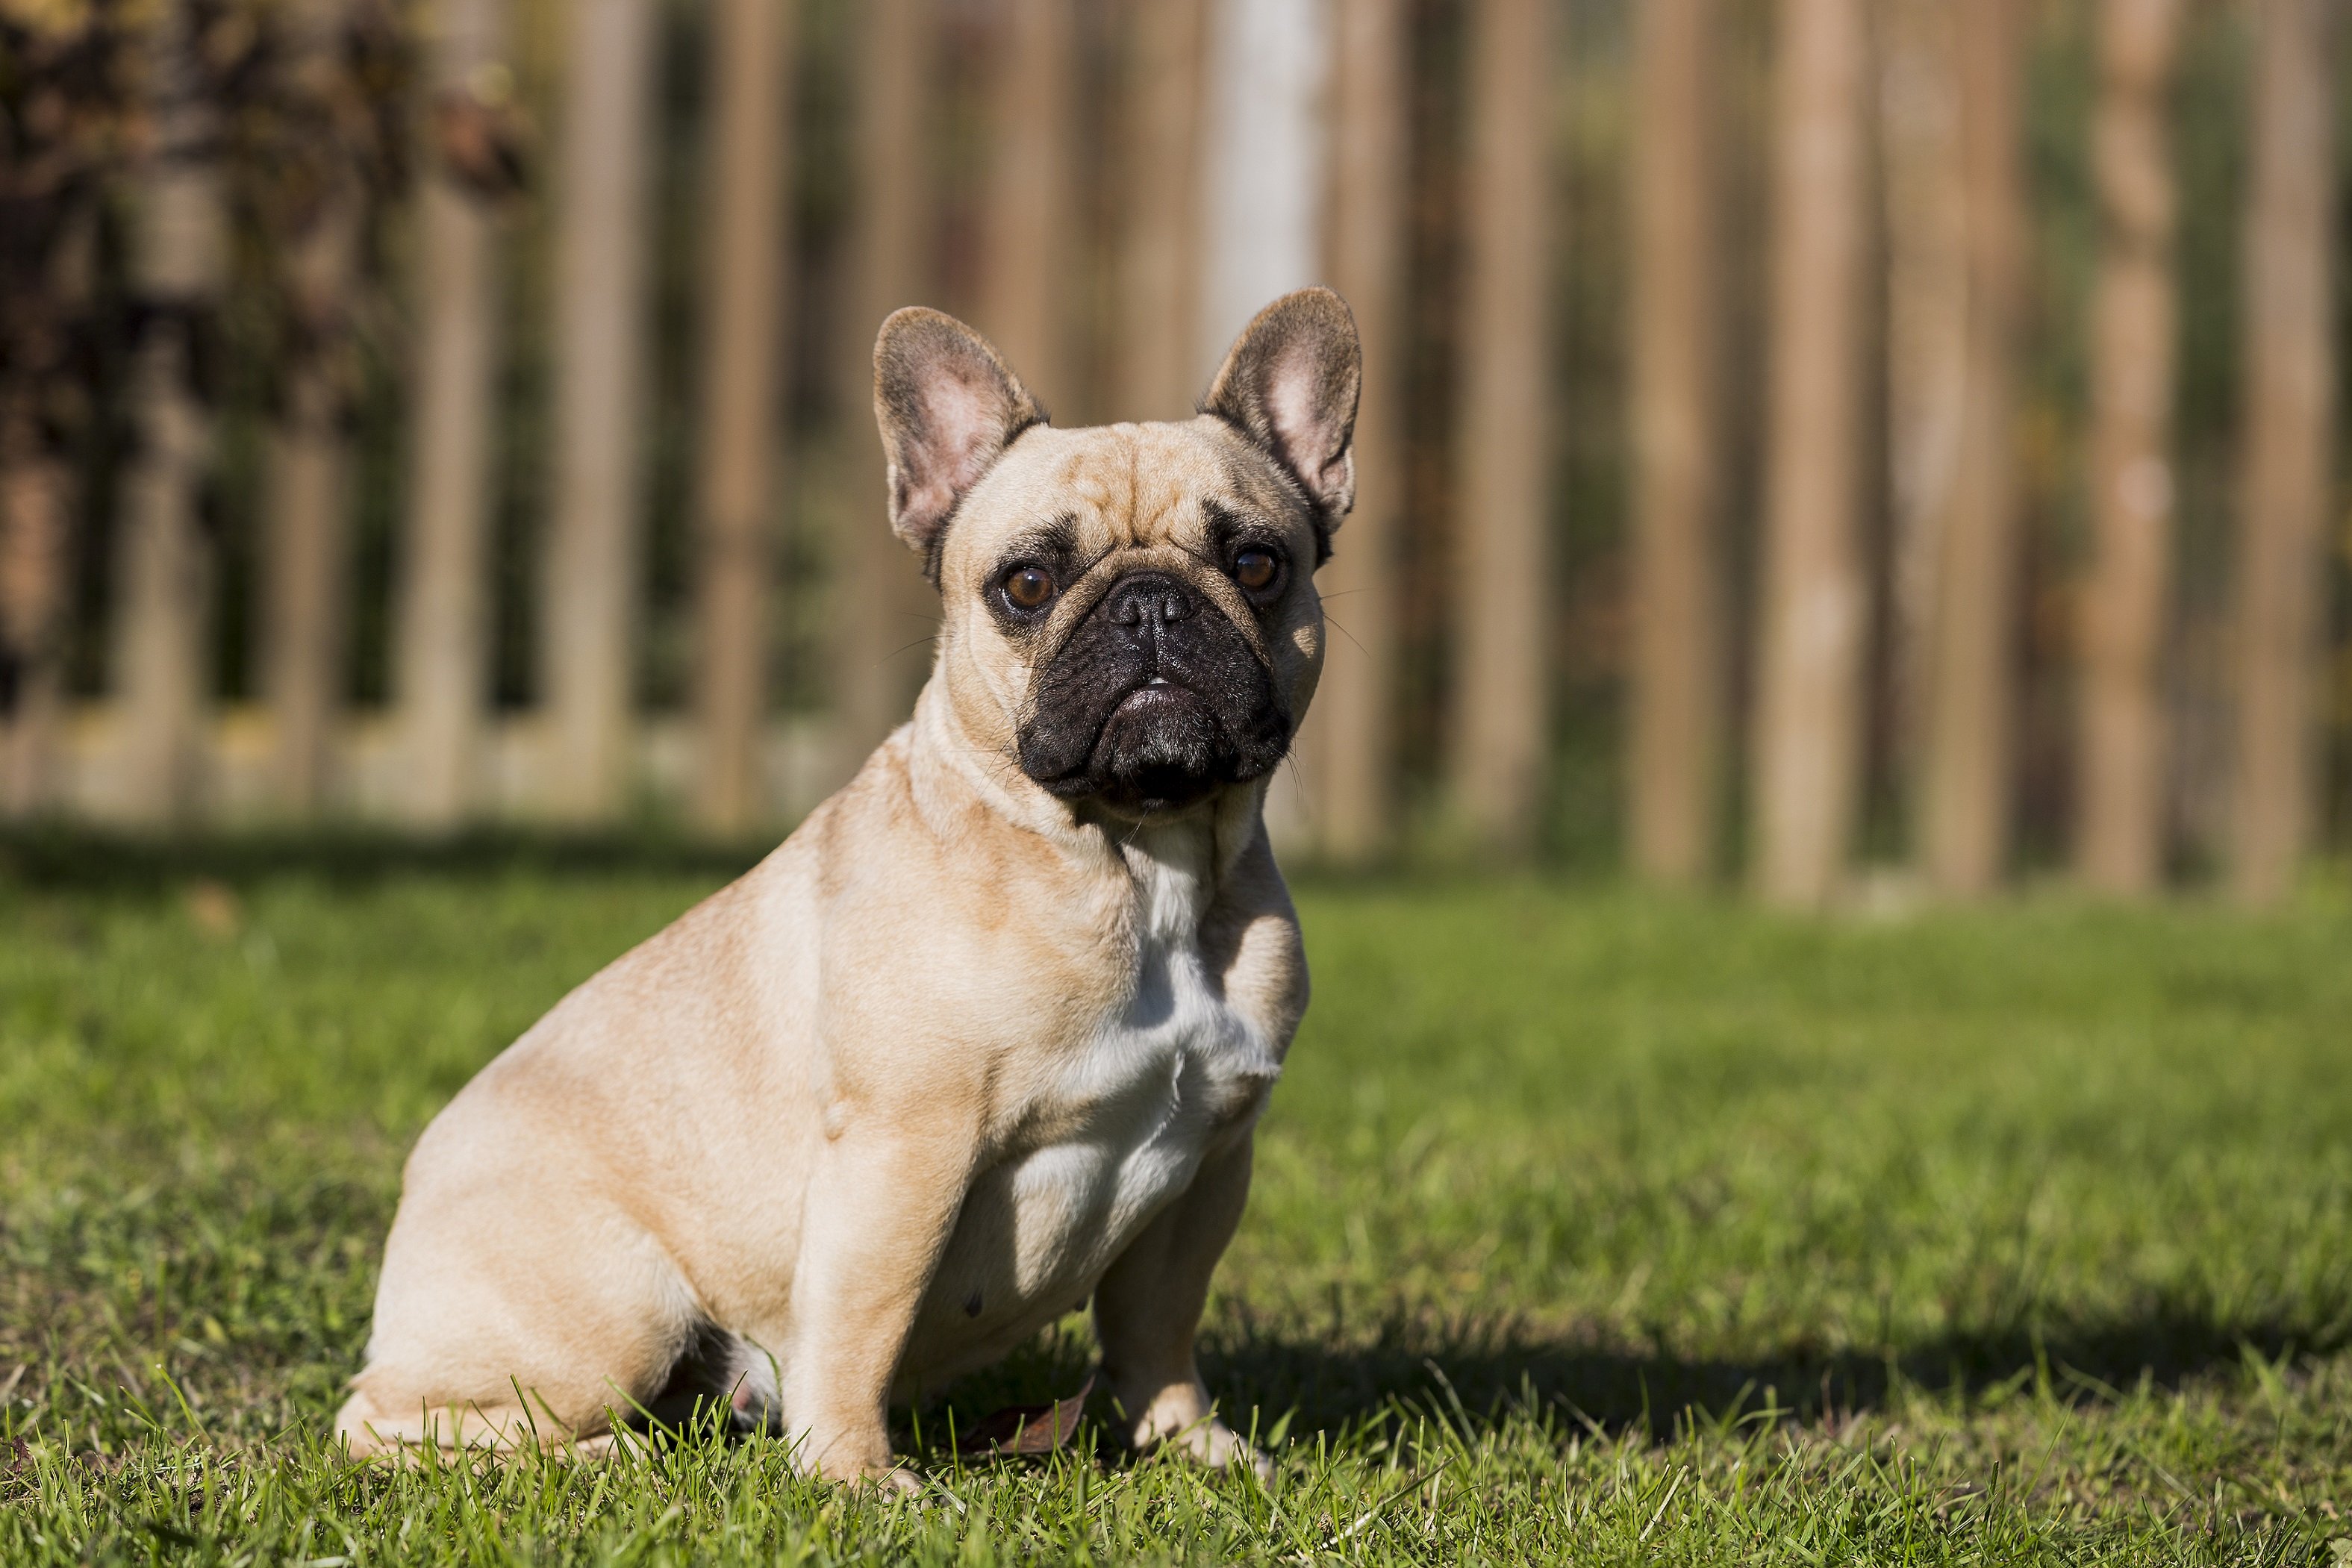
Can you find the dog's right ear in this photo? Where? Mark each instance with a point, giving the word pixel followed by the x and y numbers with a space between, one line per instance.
pixel 949 406
pixel 1289 383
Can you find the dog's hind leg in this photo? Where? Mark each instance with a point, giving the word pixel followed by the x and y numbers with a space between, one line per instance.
pixel 492 1332
pixel 369 1429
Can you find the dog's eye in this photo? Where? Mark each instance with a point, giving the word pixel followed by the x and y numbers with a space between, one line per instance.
pixel 1028 587
pixel 1256 569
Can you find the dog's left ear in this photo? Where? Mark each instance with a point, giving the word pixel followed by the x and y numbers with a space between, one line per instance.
pixel 949 406
pixel 1290 383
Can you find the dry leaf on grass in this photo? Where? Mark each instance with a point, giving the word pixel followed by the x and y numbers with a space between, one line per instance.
pixel 1028 1428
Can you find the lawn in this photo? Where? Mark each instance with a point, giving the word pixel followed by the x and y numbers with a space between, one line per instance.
pixel 1588 1227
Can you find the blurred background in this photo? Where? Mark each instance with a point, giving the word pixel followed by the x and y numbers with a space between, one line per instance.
pixel 1838 448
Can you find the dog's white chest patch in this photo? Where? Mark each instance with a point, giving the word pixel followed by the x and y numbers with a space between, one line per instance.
pixel 1155 1087
pixel 1139 1107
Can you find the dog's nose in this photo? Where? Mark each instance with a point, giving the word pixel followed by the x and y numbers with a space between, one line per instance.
pixel 1147 599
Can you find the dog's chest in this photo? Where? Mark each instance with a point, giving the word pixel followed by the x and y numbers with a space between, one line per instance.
pixel 1131 1117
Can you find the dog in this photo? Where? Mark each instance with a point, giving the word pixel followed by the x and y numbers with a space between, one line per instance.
pixel 990 1033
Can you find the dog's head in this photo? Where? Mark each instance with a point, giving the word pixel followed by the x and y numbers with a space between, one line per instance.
pixel 1131 612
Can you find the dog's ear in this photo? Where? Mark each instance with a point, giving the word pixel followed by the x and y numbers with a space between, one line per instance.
pixel 949 406
pixel 1289 383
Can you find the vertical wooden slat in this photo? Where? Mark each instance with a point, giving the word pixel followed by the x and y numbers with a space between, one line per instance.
pixel 2119 810
pixel 37 496
pixel 442 654
pixel 2288 415
pixel 1923 225
pixel 1350 737
pixel 1264 163
pixel 1972 693
pixel 885 613
pixel 160 610
pixel 35 493
pixel 1156 375
pixel 1677 446
pixel 1025 306
pixel 590 613
pixel 1808 741
pixel 308 447
pixel 1504 452
pixel 752 68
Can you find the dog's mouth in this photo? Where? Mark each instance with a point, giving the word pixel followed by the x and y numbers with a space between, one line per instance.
pixel 1153 714
pixel 1159 749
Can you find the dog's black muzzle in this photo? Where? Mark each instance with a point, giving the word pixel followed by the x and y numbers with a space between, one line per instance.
pixel 1155 700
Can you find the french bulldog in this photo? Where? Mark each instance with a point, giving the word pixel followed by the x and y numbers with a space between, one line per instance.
pixel 988 1036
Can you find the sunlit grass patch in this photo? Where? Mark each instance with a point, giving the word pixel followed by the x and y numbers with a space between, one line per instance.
pixel 1587 1227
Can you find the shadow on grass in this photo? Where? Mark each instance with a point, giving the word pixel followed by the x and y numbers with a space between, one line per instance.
pixel 1476 1374
pixel 78 858
pixel 1479 1372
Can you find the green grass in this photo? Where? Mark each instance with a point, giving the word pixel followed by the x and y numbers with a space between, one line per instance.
pixel 1587 1227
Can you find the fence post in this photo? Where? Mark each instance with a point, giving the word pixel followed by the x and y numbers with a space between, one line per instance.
pixel 1972 690
pixel 442 653
pixel 1676 744
pixel 1030 232
pixel 36 509
pixel 588 667
pixel 1157 371
pixel 884 612
pixel 2119 810
pixel 310 490
pixel 1808 739
pixel 1505 450
pixel 751 56
pixel 1351 731
pixel 1263 162
pixel 2287 434
pixel 160 611
pixel 1924 223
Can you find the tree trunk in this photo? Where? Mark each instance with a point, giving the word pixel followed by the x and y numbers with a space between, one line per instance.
pixel 38 507
pixel 1678 444
pixel 886 614
pixel 442 679
pixel 160 610
pixel 1264 211
pixel 1971 695
pixel 752 68
pixel 1808 740
pixel 590 611
pixel 1025 306
pixel 1925 226
pixel 2289 380
pixel 1159 280
pixel 1505 447
pixel 1349 740
pixel 35 490
pixel 309 450
pixel 2119 812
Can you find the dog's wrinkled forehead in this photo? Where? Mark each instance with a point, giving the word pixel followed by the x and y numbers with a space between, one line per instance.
pixel 1119 488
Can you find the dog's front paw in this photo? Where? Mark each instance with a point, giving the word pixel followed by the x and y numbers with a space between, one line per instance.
pixel 884 1480
pixel 1183 1419
pixel 1217 1446
pixel 896 1482
pixel 860 1460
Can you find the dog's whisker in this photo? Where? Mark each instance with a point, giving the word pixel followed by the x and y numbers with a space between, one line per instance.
pixel 1351 636
pixel 1298 783
pixel 917 643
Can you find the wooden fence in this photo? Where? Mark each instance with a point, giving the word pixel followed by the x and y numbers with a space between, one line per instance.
pixel 1815 367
